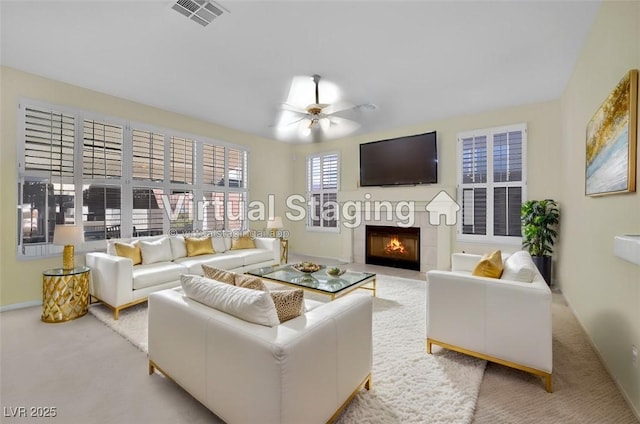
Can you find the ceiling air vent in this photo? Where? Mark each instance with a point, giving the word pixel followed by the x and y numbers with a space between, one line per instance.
pixel 200 11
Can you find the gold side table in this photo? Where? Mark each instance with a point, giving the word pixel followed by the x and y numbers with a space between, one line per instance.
pixel 284 255
pixel 65 294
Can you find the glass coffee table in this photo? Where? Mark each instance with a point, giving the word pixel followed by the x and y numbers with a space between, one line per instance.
pixel 319 281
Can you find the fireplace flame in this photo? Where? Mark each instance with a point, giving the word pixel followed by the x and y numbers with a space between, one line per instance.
pixel 395 247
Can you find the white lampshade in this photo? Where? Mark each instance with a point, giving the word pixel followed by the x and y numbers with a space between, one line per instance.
pixel 275 223
pixel 68 235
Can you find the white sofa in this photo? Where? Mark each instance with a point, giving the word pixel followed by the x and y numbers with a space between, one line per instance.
pixel 304 370
pixel 501 320
pixel 117 283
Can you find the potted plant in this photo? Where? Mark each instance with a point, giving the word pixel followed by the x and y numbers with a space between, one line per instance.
pixel 539 222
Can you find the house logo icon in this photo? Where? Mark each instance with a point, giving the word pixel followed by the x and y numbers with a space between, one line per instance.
pixel 442 204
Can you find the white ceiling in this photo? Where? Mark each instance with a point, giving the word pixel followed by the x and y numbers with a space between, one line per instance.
pixel 418 61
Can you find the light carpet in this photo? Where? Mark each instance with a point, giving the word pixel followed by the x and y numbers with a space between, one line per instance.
pixel 409 386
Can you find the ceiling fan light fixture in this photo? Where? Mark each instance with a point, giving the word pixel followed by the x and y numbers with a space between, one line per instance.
pixel 308 115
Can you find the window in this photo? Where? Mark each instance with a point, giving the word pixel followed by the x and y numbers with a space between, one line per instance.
pixel 492 183
pixel 322 191
pixel 121 179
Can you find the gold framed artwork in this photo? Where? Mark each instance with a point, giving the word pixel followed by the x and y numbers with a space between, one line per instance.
pixel 612 133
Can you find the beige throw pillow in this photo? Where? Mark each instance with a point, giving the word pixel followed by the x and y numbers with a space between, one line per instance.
pixel 219 274
pixel 249 282
pixel 490 265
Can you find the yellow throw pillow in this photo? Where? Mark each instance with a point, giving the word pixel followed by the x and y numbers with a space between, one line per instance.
pixel 243 242
pixel 198 246
pixel 289 303
pixel 131 251
pixel 219 274
pixel 249 282
pixel 490 265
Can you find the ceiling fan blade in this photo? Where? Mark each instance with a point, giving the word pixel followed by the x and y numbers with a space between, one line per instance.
pixel 340 127
pixel 338 107
pixel 346 106
pixel 292 108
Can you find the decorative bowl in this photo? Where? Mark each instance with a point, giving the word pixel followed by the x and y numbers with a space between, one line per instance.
pixel 306 267
pixel 335 271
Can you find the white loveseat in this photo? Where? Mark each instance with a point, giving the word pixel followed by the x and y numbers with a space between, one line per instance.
pixel 304 370
pixel 119 284
pixel 505 320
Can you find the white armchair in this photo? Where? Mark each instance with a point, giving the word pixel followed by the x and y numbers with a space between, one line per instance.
pixel 500 320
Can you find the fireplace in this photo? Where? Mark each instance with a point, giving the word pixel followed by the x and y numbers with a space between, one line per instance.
pixel 393 246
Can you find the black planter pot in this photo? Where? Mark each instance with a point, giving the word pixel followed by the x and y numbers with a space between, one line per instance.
pixel 544 266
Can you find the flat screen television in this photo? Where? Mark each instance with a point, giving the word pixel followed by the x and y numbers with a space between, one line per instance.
pixel 406 160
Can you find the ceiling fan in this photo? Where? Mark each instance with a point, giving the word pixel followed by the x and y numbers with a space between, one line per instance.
pixel 316 120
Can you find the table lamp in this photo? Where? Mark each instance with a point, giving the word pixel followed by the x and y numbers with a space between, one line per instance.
pixel 67 236
pixel 275 224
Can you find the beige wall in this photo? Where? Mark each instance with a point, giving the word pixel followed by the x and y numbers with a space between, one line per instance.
pixel 544 139
pixel 603 290
pixel 21 280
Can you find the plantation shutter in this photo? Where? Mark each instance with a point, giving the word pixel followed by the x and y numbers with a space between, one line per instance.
pixel 181 155
pixel 148 211
pixel 101 150
pixel 322 187
pixel 148 155
pixel 491 181
pixel 213 164
pixel 49 142
pixel 474 191
pixel 507 169
pixel 237 168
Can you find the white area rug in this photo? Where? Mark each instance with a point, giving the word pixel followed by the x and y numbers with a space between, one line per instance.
pixel 409 385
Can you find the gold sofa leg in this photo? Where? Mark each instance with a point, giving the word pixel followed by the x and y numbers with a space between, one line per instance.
pixel 547 376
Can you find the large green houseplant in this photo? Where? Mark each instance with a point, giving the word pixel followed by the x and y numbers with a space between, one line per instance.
pixel 540 219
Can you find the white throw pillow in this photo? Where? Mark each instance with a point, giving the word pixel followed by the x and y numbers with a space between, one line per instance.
pixel 156 251
pixel 250 305
pixel 227 243
pixel 218 244
pixel 178 247
pixel 518 267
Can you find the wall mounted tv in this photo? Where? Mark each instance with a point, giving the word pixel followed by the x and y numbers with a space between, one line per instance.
pixel 406 160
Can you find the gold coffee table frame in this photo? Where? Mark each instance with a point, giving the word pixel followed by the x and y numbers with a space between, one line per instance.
pixel 65 294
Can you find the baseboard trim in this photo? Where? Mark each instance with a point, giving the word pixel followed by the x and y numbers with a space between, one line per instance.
pixel 21 305
pixel 621 389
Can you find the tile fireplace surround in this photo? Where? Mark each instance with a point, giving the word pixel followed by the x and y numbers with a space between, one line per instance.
pixel 435 241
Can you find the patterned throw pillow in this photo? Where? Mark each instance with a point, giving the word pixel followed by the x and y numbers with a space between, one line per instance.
pixel 131 251
pixel 490 265
pixel 249 282
pixel 198 246
pixel 219 274
pixel 289 303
